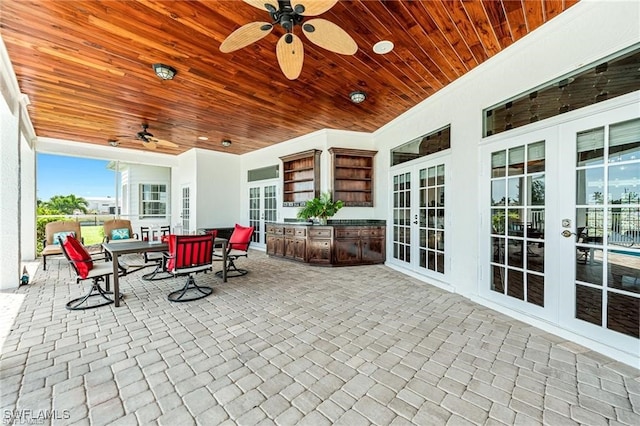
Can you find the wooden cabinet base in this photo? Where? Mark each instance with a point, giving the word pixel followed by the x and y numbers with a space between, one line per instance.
pixel 327 245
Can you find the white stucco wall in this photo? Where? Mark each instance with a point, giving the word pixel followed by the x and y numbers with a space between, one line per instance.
pixel 218 198
pixel 9 199
pixel 583 34
pixel 214 179
pixel 322 140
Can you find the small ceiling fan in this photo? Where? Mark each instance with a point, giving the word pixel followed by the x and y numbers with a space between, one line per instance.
pixel 288 14
pixel 151 142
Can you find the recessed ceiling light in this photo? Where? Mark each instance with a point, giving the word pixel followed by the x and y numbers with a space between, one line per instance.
pixel 203 138
pixel 226 142
pixel 382 47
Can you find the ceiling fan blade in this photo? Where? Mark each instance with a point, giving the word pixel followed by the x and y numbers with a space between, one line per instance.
pixel 245 35
pixel 312 7
pixel 149 144
pixel 261 4
pixel 164 142
pixel 329 36
pixel 290 53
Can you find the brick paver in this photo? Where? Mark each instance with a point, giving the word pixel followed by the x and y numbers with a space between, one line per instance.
pixel 293 344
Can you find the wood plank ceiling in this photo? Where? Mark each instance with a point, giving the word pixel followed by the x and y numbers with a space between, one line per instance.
pixel 87 66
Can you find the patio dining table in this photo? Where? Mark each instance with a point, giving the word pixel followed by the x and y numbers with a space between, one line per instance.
pixel 116 249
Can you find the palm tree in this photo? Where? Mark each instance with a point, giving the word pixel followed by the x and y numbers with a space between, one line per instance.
pixel 67 204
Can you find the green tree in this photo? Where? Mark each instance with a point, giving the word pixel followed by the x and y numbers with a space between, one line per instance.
pixel 66 204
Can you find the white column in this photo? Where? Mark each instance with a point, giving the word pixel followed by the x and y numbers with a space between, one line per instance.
pixel 9 198
pixel 27 200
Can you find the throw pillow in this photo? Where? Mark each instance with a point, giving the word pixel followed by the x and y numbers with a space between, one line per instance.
pixel 63 235
pixel 120 234
pixel 241 237
pixel 79 255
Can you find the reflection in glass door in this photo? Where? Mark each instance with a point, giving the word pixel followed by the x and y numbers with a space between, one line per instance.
pixel 262 209
pixel 607 245
pixel 419 218
pixel 518 222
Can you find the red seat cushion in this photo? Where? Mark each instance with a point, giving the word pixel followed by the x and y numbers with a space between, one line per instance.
pixel 241 237
pixel 79 255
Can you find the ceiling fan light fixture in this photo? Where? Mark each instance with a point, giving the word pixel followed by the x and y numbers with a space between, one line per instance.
pixel 357 97
pixel 165 72
pixel 226 142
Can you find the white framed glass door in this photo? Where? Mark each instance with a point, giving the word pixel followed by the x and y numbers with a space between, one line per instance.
pixel 263 208
pixel 418 236
pixel 515 236
pixel 602 198
pixel 560 235
pixel 185 212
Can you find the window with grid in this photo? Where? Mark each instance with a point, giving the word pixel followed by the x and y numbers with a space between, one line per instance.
pixel 153 201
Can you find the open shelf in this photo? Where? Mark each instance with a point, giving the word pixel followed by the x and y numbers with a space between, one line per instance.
pixel 353 176
pixel 300 178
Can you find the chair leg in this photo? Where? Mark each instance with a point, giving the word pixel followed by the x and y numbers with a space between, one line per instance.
pixel 180 295
pixel 44 262
pixel 157 274
pixel 96 291
pixel 232 270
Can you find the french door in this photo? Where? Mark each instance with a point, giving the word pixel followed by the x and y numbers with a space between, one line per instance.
pixel 263 207
pixel 418 239
pixel 561 226
pixel 185 212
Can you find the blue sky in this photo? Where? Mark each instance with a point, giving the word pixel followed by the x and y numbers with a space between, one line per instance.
pixel 60 175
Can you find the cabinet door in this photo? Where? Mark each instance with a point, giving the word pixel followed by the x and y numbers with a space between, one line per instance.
pixel 275 245
pixel 347 251
pixel 373 250
pixel 319 250
pixel 300 249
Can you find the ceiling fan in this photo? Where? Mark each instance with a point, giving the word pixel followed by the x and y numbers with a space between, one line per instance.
pixel 288 14
pixel 151 142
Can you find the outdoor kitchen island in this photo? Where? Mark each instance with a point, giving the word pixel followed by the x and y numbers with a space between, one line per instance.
pixel 339 243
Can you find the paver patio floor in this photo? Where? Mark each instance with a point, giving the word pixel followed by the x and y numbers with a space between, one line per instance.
pixel 293 344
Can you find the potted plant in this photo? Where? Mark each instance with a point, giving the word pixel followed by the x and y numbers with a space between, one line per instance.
pixel 321 208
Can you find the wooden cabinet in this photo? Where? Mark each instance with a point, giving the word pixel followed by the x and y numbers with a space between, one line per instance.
pixel 353 176
pixel 327 245
pixel 319 245
pixel 295 243
pixel 300 177
pixel 275 240
pixel 359 245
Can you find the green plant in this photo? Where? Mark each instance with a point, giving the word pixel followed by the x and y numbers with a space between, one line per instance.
pixel 322 207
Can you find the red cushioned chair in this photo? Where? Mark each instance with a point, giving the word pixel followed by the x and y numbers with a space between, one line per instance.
pixel 238 246
pixel 188 255
pixel 87 267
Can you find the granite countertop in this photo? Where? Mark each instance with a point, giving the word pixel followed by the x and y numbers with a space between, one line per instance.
pixel 336 222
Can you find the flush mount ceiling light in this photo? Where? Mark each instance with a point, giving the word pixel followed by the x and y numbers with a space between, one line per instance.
pixel 163 71
pixel 113 142
pixel 357 96
pixel 382 47
pixel 226 142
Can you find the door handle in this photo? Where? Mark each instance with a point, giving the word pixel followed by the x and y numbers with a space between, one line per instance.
pixel 566 233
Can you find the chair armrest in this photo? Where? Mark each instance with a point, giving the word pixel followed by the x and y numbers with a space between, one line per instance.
pixel 105 239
